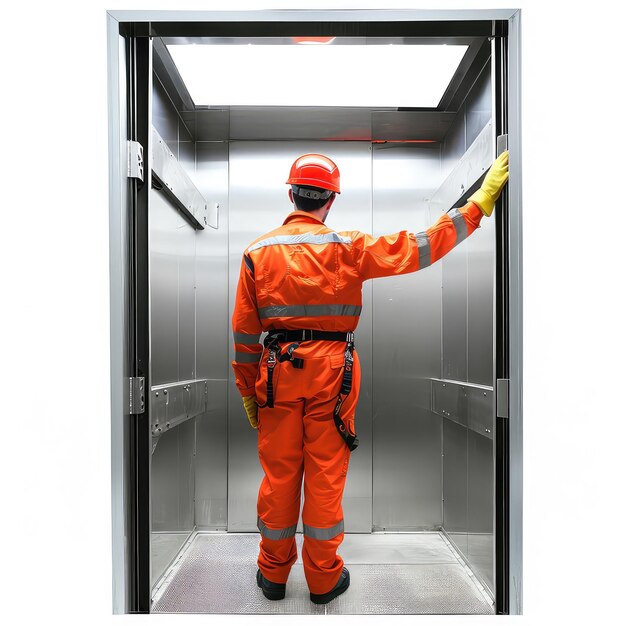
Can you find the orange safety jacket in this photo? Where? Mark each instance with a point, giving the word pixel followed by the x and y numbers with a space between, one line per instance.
pixel 303 275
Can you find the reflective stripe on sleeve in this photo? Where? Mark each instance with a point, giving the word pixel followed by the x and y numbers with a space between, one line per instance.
pixel 248 261
pixel 460 225
pixel 323 533
pixel 248 357
pixel 246 339
pixel 423 247
pixel 292 240
pixel 275 533
pixel 309 310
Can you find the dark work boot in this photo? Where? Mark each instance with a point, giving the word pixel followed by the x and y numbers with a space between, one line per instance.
pixel 342 584
pixel 272 591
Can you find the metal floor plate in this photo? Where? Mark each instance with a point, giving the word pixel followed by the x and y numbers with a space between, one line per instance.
pixel 391 574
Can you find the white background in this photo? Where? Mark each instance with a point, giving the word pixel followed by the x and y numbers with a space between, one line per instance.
pixel 55 334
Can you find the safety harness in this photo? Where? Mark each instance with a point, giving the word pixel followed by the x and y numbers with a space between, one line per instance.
pixel 276 355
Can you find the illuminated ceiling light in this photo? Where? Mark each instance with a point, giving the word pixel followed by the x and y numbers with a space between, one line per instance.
pixel 317 75
pixel 313 40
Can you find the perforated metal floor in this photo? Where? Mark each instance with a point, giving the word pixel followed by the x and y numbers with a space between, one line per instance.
pixel 390 574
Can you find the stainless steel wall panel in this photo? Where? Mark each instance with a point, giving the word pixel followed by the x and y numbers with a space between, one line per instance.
pixel 212 287
pixel 480 273
pixel 468 274
pixel 186 149
pixel 173 479
pixel 480 481
pixel 208 124
pixel 212 339
pixel 164 223
pixel 164 116
pixel 186 248
pixel 455 496
pixel 259 203
pixel 478 105
pixel 454 314
pixel 406 350
pixel 466 171
pixel 174 182
pixel 453 146
pixel 212 460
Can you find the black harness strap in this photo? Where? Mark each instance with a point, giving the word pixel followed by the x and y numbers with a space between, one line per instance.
pixel 352 441
pixel 275 355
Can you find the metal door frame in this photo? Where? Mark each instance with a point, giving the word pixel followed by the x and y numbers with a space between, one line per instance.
pixel 129 273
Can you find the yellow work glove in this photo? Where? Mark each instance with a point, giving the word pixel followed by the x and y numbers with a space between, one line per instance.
pixel 250 405
pixel 492 185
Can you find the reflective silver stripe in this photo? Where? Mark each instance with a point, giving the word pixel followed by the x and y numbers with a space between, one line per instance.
pixel 460 225
pixel 423 247
pixel 309 310
pixel 292 240
pixel 275 534
pixel 249 264
pixel 247 357
pixel 323 533
pixel 246 339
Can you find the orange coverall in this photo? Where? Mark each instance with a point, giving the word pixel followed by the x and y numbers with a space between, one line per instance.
pixel 303 275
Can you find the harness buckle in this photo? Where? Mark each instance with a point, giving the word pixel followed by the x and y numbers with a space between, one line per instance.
pixel 271 359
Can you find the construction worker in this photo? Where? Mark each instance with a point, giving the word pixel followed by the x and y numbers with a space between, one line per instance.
pixel 301 283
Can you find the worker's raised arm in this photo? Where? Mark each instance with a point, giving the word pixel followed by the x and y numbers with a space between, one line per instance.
pixel 406 252
pixel 246 331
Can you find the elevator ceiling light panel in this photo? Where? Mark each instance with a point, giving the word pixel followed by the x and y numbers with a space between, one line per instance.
pixel 317 75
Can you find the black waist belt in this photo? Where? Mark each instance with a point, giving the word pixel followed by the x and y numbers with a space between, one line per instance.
pixel 306 335
pixel 275 354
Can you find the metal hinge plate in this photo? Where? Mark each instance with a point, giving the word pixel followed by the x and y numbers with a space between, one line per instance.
pixel 136 395
pixel 135 160
pixel 502 397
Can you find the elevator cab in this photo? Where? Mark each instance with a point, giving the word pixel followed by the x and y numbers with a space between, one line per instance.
pixel 207 111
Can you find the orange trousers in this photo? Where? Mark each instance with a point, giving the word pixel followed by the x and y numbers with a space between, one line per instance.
pixel 298 438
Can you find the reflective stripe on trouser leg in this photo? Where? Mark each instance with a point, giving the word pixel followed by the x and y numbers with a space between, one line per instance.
pixel 326 459
pixel 280 453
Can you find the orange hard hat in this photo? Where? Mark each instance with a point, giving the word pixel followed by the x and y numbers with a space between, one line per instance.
pixel 315 170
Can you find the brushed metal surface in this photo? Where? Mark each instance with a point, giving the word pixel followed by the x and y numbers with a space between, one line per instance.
pixel 474 162
pixel 164 224
pixel 212 460
pixel 480 274
pixel 455 492
pixel 173 403
pixel 454 314
pixel 208 124
pixel 217 575
pixel 464 403
pixel 174 181
pixel 453 146
pixel 164 116
pixel 406 352
pixel 478 105
pixel 480 482
pixel 213 338
pixel 468 274
pixel 186 244
pixel 173 479
pixel 186 150
pixel 119 265
pixel 258 202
